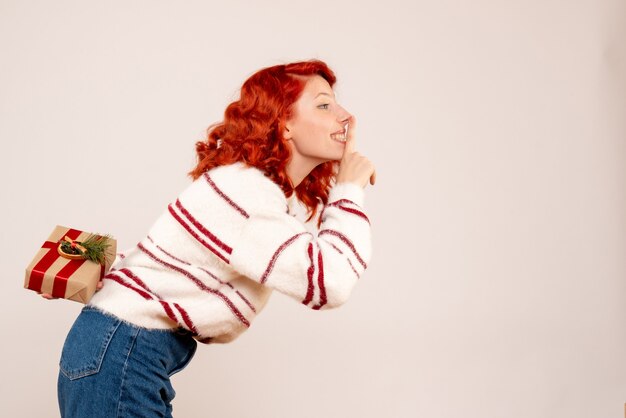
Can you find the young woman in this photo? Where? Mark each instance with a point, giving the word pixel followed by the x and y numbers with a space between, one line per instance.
pixel 209 263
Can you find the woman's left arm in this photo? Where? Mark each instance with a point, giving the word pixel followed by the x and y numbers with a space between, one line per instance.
pixel 320 271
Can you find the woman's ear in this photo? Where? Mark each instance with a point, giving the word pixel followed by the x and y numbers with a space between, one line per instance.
pixel 287 132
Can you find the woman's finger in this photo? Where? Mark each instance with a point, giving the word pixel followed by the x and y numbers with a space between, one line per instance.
pixel 350 140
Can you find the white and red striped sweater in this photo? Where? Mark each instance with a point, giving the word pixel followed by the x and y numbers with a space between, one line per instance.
pixel 212 259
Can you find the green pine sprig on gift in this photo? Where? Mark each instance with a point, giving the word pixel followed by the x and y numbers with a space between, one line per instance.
pixel 94 248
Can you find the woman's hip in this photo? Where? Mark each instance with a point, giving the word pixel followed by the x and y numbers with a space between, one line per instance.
pixel 109 367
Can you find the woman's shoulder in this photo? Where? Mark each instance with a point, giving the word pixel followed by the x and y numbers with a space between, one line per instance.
pixel 242 185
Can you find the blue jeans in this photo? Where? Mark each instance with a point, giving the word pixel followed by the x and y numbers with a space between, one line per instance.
pixel 110 368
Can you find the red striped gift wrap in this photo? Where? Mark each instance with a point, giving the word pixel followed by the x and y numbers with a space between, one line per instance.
pixel 51 273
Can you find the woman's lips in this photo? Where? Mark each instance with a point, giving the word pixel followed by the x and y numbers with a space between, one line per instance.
pixel 339 136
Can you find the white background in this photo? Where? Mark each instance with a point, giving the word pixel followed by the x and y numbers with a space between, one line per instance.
pixel 498 278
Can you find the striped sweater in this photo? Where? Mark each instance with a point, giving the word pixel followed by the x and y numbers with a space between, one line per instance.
pixel 211 260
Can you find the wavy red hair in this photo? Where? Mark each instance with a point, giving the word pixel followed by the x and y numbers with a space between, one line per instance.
pixel 251 131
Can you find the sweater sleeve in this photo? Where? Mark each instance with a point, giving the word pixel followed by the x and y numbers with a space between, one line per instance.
pixel 320 271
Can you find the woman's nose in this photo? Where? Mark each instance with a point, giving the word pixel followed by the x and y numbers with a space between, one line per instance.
pixel 343 115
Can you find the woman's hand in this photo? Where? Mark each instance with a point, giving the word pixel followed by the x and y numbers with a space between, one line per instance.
pixel 354 167
pixel 50 297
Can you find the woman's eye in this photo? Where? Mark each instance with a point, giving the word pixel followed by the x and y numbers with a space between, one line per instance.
pixel 323 106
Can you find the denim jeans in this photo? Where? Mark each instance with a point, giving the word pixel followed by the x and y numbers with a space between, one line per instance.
pixel 110 368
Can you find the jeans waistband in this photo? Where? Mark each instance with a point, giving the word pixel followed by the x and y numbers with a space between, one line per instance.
pixel 179 331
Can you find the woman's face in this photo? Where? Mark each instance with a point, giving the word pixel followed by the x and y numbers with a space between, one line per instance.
pixel 317 130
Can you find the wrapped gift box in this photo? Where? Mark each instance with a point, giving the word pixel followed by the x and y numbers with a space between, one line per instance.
pixel 74 279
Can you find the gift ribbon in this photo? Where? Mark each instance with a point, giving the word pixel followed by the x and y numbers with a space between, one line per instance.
pixel 60 280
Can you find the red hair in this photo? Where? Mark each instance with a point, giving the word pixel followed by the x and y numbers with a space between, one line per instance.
pixel 253 126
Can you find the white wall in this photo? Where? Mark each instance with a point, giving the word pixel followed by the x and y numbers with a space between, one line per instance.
pixel 497 285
